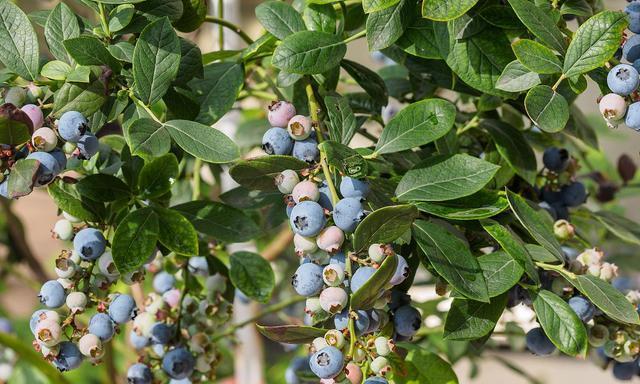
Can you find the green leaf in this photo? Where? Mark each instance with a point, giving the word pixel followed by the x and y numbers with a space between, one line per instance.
pixel 220 221
pixel 540 24
pixel 135 240
pixel 514 148
pixel 470 319
pixel 342 121
pixel 18 41
pixel 291 334
pixel 86 98
pixel 190 62
pixel 625 229
pixel 156 59
pixel 560 323
pixel 377 5
pixel 480 205
pixel 501 16
pixel 594 43
pixel 176 232
pixel 27 354
pixel 444 10
pixel 260 173
pixel 366 296
pixel 536 57
pixel 202 141
pixel 252 275
pixel 280 19
pixel 218 91
pixel 15 126
pixel 193 15
pixel 56 70
pixel 384 225
pixel 386 26
pixel 452 259
pixel 442 178
pixel 22 180
pixel 120 17
pixel 501 272
pixel 418 124
pixel 158 175
pixel 122 50
pixel 540 253
pixel 62 24
pixel 67 198
pixel 576 7
pixel 419 40
pixel 103 188
pixel 88 50
pixel 512 244
pixel 344 158
pixel 147 138
pixel 80 74
pixel 370 81
pixel 320 17
pixel 607 298
pixel 429 368
pixel 517 78
pixel 547 108
pixel 309 52
pixel 537 222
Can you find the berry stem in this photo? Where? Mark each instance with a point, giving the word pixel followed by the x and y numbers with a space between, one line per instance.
pixel 103 20
pixel 355 37
pixel 557 84
pixel 227 24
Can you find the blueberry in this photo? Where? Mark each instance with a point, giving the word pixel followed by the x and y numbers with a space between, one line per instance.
pixel 72 125
pixel 361 276
pixel 49 167
pixel 613 106
pixel 363 322
pixel 326 363
pixel 299 127
pixel 4 187
pixel 163 282
pixel 633 12
pixel 625 371
pixel 583 308
pixel 306 150
pixel 347 213
pixel 299 366
pixel 538 342
pixel 307 218
pixel 350 187
pixel 41 315
pixel 52 294
pixel 407 321
pixel 574 194
pixel 122 309
pixel 307 281
pixel 198 265
pixel 325 196
pixel 556 159
pixel 341 320
pixel 88 146
pixel 60 157
pixel 338 258
pixel 402 271
pixel 69 357
pixel 35 115
pixel 276 141
pixel 139 374
pixel 161 333
pixel 623 79
pixel 102 326
pixel 376 380
pixel 138 341
pixel 398 299
pixel 178 363
pixel 633 116
pixel 89 243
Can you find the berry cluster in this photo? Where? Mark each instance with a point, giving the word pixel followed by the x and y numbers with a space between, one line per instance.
pixel 321 223
pixel 561 191
pixel 175 331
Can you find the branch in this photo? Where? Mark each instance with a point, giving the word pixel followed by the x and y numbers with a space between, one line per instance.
pixel 230 26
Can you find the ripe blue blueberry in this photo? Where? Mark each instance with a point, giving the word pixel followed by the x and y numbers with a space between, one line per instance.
pixel 61 158
pixel 341 320
pixel 102 326
pixel 307 218
pixel 88 146
pixel 574 194
pixel 52 294
pixel 69 357
pixel 361 276
pixel 307 281
pixel 347 213
pixel 556 159
pixel 402 271
pixel 583 308
pixel 325 196
pixel 306 150
pixel 625 371
pixel 326 363
pixel 161 333
pixel 398 299
pixel 350 187
pixel 376 380
pixel 338 258
pixel 633 10
pixel 276 141
pixel 48 170
pixel 163 282
pixel 122 309
pixel 633 116
pixel 363 322
pixel 89 243
pixel 72 125
pixel 139 374
pixel 198 265
pixel 407 321
pixel 178 363
pixel 538 342
pixel 623 79
pixel 138 341
pixel 299 366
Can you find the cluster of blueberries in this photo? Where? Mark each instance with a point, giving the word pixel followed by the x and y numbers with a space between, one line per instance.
pixel 73 128
pixel 560 192
pixel 326 275
pixel 623 79
pixel 172 329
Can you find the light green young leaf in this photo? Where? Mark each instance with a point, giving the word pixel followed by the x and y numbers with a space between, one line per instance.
pixel 279 18
pixel 517 78
pixel 547 108
pixel 536 57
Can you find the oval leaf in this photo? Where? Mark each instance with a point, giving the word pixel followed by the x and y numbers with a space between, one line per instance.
pixel 260 173
pixel 292 334
pixel 19 50
pixel 444 10
pixel 547 108
pixel 176 232
pixel 280 19
pixel 480 205
pixel 309 52
pixel 470 319
pixel 366 296
pixel 252 275
pixel 384 225
pixel 202 141
pixel 219 221
pixel 135 240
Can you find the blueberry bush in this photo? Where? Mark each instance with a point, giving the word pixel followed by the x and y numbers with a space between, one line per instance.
pixel 461 163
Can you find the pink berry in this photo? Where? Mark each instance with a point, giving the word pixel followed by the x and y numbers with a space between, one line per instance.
pixel 172 297
pixel 299 127
pixel 333 299
pixel 280 112
pixel 35 114
pixel 330 239
pixel 354 373
pixel 305 191
pixel 613 106
pixel 48 332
